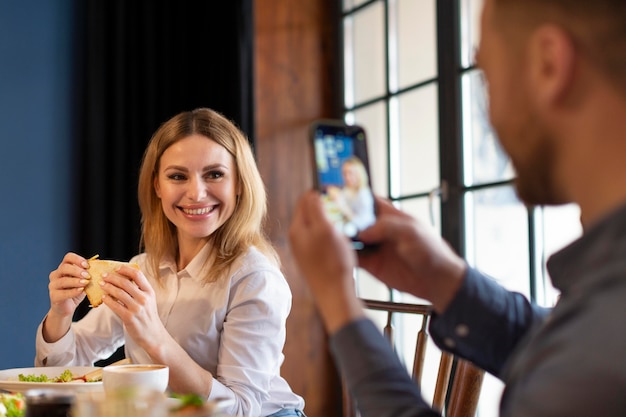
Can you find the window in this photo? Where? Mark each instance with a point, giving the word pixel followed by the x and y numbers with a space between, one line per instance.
pixel 409 79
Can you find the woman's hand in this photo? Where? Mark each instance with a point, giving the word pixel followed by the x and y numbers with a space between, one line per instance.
pixel 129 295
pixel 67 290
pixel 67 284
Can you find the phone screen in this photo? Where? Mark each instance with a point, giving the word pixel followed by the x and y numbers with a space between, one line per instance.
pixel 342 175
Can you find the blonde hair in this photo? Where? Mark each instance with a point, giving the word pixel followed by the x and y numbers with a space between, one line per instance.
pixel 356 163
pixel 245 226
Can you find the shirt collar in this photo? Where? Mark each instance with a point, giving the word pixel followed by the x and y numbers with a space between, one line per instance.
pixel 577 264
pixel 193 269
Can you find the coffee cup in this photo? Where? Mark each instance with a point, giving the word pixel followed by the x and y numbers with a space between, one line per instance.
pixel 145 376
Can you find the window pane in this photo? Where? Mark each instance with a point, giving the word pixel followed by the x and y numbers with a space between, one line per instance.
pixel 350 4
pixel 470 30
pixel 490 396
pixel 364 54
pixel 412 42
pixel 484 159
pixel 559 226
pixel 426 210
pixel 497 236
pixel 367 286
pixel 373 118
pixel 415 149
pixel 406 327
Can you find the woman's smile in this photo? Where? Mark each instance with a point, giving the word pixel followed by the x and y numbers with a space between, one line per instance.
pixel 199 211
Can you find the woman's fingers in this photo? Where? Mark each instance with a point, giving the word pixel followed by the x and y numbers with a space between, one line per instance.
pixel 127 286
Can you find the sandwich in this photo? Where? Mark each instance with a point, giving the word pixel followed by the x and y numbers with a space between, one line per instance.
pixel 97 267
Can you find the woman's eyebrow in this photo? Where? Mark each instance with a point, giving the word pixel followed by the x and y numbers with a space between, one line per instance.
pixel 213 166
pixel 175 167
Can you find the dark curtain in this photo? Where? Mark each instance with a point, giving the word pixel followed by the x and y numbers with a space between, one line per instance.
pixel 139 63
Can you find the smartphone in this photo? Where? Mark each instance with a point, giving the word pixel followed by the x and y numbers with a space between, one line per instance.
pixel 342 175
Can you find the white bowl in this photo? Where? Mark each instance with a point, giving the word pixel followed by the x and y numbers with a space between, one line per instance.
pixel 145 376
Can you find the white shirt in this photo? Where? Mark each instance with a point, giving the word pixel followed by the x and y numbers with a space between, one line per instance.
pixel 233 328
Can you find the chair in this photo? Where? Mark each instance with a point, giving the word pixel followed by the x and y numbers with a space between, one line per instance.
pixel 458 382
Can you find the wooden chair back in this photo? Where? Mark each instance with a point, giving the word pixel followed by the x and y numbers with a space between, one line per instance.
pixel 458 383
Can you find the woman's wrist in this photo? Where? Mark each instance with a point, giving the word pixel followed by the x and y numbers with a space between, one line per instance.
pixel 55 327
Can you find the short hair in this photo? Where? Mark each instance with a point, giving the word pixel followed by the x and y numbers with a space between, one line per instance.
pixel 597 26
pixel 245 226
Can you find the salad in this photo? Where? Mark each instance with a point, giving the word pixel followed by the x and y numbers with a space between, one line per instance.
pixel 66 376
pixel 12 405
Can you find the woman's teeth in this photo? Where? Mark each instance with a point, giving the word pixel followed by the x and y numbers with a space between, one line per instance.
pixel 204 210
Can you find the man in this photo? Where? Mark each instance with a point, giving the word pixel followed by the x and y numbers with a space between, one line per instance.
pixel 556 74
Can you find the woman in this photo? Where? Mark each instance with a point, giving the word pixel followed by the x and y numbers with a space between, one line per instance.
pixel 209 299
pixel 354 201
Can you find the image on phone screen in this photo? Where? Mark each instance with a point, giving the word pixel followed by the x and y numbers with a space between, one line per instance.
pixel 342 171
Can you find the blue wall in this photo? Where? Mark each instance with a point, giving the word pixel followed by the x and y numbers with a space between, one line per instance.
pixel 35 165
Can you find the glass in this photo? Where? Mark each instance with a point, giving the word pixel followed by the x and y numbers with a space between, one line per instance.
pixel 368 286
pixel 350 4
pixel 470 30
pixel 121 403
pixel 497 244
pixel 415 142
pixel 425 209
pixel 557 227
pixel 373 119
pixel 412 42
pixel 484 160
pixel 497 236
pixel 364 55
pixel 490 395
pixel 405 327
pixel 47 403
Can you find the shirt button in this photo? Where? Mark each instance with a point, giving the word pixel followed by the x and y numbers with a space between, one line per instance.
pixel 449 342
pixel 462 330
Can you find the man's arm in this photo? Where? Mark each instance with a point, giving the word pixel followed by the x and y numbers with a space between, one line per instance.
pixel 374 374
pixel 484 322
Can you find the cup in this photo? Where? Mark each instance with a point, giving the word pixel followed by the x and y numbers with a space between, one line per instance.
pixel 146 376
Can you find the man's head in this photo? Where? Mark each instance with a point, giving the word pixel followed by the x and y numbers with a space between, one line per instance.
pixel 541 59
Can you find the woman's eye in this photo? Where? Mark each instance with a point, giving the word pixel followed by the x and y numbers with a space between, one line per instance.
pixel 176 177
pixel 213 175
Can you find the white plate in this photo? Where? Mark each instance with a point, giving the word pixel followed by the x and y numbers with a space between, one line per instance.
pixel 9 379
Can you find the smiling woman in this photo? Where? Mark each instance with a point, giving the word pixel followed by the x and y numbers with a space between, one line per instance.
pixel 197 186
pixel 208 300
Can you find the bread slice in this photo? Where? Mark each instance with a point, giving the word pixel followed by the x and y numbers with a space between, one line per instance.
pixel 97 267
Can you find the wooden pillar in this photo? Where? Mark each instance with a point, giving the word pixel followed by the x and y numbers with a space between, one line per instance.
pixel 295 82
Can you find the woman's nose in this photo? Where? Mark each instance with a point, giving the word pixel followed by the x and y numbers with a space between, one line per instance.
pixel 197 189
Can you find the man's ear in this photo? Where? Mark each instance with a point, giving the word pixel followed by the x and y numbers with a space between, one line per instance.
pixel 552 58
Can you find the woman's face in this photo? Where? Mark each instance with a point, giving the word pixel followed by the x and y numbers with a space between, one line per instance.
pixel 350 176
pixel 197 184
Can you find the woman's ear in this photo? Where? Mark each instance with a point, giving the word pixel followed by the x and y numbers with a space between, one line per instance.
pixel 157 188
